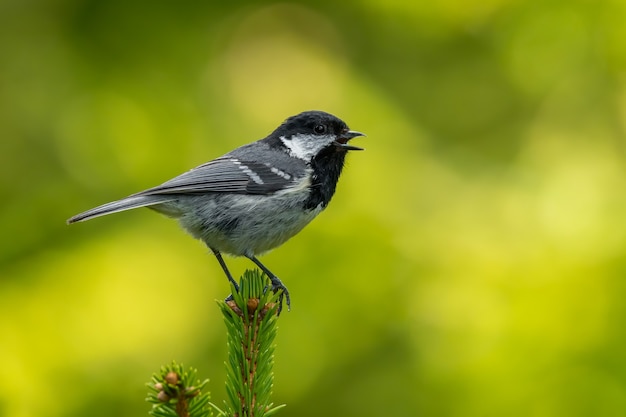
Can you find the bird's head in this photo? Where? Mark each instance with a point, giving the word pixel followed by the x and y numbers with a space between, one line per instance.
pixel 310 133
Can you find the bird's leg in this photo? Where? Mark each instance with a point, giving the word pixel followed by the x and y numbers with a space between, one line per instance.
pixel 218 255
pixel 277 284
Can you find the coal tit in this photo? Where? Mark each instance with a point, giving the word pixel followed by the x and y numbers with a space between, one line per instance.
pixel 257 196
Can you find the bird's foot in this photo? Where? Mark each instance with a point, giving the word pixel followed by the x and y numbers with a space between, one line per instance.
pixel 277 285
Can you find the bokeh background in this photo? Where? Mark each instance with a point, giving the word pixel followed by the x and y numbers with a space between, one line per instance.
pixel 472 262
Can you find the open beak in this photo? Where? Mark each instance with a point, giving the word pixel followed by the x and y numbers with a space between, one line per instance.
pixel 344 137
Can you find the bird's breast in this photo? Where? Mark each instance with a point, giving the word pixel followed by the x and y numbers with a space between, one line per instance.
pixel 248 224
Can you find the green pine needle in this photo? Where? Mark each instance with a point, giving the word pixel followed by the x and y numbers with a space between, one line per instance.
pixel 175 392
pixel 251 321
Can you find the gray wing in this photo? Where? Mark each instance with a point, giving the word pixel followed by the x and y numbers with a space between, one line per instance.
pixel 225 175
pixel 222 175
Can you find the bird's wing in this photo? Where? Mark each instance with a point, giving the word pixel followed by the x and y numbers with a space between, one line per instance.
pixel 225 175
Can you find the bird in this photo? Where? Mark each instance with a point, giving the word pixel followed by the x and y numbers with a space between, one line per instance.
pixel 255 197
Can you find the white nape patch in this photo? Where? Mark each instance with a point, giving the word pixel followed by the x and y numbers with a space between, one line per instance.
pixel 278 172
pixel 305 147
pixel 253 175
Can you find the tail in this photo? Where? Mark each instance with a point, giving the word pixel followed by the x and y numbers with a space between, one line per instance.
pixel 120 205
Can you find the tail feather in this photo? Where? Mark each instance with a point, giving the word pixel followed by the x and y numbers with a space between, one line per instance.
pixel 117 206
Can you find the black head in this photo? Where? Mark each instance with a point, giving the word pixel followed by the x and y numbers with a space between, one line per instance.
pixel 308 133
pixel 321 141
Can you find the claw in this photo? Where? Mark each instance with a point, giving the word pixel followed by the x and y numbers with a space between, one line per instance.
pixel 278 285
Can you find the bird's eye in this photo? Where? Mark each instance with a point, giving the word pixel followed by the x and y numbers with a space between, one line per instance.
pixel 319 129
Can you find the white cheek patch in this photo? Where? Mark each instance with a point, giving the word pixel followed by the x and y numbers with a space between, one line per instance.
pixel 305 147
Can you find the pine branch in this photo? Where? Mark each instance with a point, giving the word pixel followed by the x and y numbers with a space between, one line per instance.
pixel 173 394
pixel 250 319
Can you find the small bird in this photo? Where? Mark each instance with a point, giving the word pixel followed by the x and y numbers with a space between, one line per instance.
pixel 256 197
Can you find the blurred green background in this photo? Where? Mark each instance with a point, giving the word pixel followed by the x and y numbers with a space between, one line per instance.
pixel 472 262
